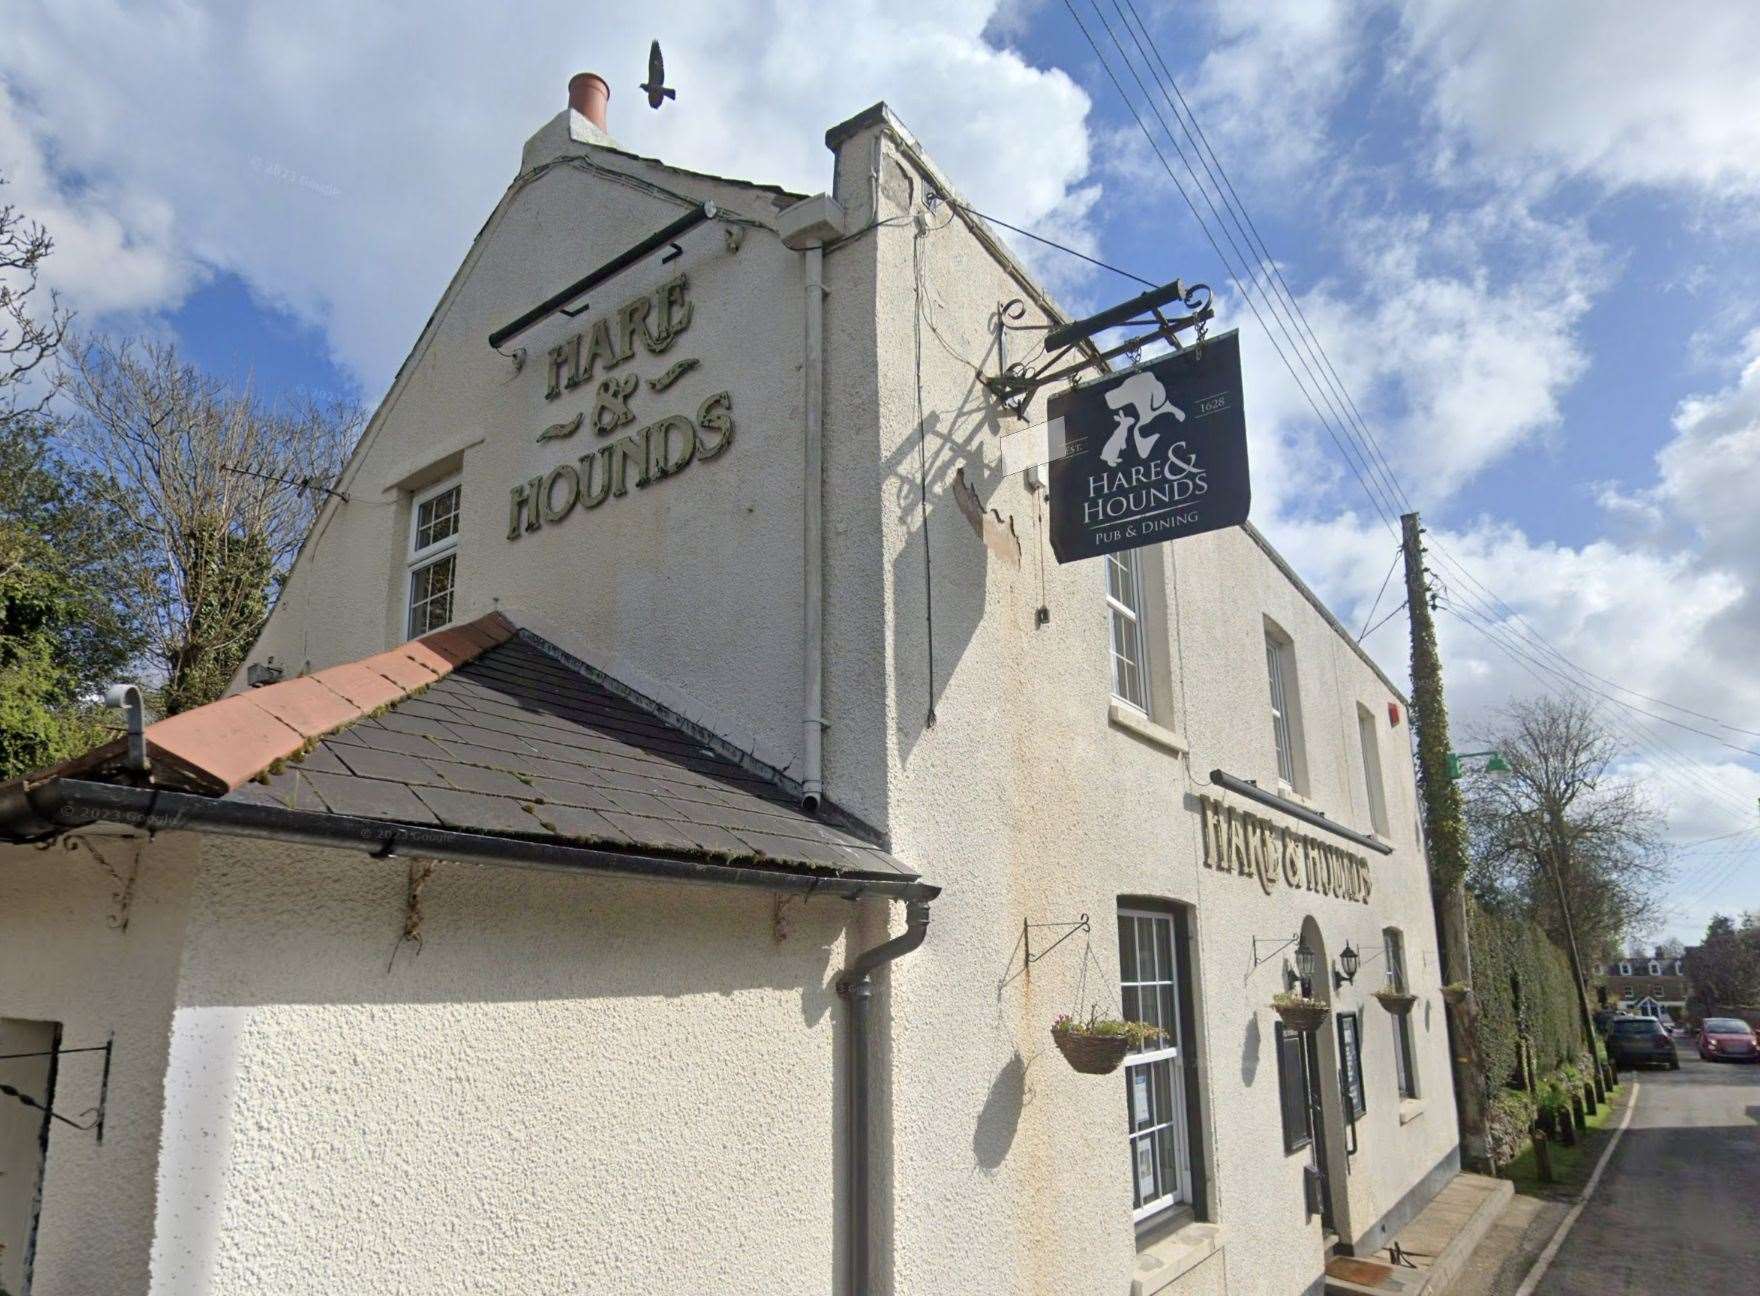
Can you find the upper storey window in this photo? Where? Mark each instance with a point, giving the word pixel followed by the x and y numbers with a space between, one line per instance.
pixel 433 557
pixel 1124 602
pixel 1286 717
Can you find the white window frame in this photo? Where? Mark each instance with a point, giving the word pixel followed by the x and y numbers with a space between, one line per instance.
pixel 1164 1060
pixel 1124 621
pixel 1373 787
pixel 1625 969
pixel 420 558
pixel 1279 663
pixel 1405 1053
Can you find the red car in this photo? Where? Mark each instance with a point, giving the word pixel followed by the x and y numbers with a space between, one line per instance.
pixel 1728 1037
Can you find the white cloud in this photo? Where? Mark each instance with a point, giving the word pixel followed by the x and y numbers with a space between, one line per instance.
pixel 1270 82
pixel 1636 94
pixel 339 158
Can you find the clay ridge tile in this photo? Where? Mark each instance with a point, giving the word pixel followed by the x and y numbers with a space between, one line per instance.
pixel 227 743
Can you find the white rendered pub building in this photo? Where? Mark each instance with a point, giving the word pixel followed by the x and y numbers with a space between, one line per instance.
pixel 675 794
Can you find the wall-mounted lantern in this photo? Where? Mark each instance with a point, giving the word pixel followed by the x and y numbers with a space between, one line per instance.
pixel 1346 971
pixel 1307 964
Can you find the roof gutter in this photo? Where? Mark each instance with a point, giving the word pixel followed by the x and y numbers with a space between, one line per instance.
pixel 63 803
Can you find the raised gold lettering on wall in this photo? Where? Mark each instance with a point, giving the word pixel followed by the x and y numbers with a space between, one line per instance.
pixel 715 416
pixel 525 505
pixel 663 447
pixel 611 340
pixel 1255 836
pixel 1254 847
pixel 1211 812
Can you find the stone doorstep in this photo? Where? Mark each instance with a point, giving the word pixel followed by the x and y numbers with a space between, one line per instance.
pixel 1438 1239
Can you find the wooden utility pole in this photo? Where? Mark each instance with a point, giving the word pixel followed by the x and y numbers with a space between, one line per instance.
pixel 1445 835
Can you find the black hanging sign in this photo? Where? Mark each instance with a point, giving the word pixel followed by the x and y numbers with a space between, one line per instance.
pixel 1154 453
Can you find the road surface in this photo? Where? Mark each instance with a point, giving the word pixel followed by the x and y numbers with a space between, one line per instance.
pixel 1678 1208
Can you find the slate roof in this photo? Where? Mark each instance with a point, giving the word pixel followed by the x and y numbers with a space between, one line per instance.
pixel 517 741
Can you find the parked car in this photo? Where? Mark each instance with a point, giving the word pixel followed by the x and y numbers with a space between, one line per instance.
pixel 1641 1041
pixel 1728 1037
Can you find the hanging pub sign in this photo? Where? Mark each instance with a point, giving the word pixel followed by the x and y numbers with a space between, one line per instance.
pixel 1154 453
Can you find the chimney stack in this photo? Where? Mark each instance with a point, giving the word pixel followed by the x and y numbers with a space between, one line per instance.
pixel 588 94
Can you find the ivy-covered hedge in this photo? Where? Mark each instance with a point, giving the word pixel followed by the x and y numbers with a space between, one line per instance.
pixel 1521 980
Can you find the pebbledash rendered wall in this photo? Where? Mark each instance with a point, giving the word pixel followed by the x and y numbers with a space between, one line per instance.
pixel 1029 802
pixel 93 938
pixel 584 1085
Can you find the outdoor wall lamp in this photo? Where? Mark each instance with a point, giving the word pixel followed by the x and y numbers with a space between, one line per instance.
pixel 1307 963
pixel 1346 971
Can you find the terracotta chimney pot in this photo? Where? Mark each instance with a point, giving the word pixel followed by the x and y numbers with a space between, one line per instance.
pixel 588 94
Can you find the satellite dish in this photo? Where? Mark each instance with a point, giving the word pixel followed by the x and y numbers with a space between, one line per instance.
pixel 655 86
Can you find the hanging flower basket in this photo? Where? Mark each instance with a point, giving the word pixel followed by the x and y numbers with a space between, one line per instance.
pixel 1098 1045
pixel 1397 1002
pixel 1460 995
pixel 1300 1014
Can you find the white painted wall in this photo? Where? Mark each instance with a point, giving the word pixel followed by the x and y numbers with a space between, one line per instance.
pixel 688 589
pixel 61 959
pixel 574 1086
pixel 1028 805
pixel 583 1085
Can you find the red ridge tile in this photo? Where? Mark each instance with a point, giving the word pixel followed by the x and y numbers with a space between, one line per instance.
pixel 306 705
pixel 230 741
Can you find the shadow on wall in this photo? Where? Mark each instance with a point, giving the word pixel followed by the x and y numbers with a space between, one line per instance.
pixel 1250 1052
pixel 1000 1117
pixel 939 594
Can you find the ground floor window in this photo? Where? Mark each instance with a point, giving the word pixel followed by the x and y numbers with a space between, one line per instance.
pixel 1159 1080
pixel 1404 1058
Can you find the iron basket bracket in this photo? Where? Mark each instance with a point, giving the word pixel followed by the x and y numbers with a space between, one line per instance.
pixel 1027 930
pixel 1015 385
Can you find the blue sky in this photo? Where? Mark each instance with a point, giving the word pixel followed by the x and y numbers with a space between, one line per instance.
pixel 1526 239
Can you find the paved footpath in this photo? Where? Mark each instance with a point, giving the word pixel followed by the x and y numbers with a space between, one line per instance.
pixel 1678 1208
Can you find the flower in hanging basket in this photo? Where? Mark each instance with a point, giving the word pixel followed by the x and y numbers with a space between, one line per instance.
pixel 1098 1045
pixel 1395 1000
pixel 1298 1011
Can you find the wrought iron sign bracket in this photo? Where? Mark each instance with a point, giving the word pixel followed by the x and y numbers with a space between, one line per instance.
pixel 90 1120
pixel 1027 930
pixel 1015 385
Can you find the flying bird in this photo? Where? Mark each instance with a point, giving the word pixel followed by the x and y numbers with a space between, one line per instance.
pixel 658 90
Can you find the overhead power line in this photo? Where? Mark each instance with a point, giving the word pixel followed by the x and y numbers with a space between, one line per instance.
pixel 1262 285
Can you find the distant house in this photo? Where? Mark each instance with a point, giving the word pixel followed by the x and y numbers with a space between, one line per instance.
pixel 1645 987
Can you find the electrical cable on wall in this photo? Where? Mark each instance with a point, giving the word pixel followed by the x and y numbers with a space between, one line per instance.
pixel 923 469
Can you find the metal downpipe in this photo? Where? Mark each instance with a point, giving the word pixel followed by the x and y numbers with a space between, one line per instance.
pixel 857 985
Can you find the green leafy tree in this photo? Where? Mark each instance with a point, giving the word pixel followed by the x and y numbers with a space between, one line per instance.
pixel 1725 969
pixel 69 602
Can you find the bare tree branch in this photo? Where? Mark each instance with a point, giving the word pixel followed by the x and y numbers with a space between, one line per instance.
pixel 223 484
pixel 1563 806
pixel 27 338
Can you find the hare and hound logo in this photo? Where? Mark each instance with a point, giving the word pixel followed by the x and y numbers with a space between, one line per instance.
pixel 1154 453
